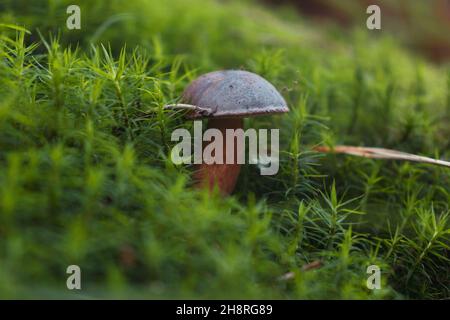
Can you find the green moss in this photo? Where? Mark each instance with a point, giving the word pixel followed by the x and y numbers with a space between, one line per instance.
pixel 85 177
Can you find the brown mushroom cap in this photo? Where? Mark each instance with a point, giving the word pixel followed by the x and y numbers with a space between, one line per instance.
pixel 233 93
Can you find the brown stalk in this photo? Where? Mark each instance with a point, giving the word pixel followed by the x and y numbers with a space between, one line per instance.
pixel 223 175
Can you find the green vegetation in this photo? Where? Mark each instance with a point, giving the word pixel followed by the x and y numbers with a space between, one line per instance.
pixel 86 177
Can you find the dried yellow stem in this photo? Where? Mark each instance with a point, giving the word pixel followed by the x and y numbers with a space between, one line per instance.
pixel 381 153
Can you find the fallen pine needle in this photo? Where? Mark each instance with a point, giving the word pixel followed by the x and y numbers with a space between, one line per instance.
pixel 381 153
pixel 310 266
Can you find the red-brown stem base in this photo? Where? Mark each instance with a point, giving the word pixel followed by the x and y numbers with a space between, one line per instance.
pixel 223 175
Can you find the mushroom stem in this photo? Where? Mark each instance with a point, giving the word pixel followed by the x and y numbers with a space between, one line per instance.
pixel 223 175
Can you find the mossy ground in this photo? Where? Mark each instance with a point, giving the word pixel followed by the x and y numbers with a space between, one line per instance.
pixel 86 176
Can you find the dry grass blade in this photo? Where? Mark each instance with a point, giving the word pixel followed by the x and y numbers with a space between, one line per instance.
pixel 381 153
pixel 310 266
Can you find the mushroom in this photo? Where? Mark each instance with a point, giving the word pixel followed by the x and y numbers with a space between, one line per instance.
pixel 225 98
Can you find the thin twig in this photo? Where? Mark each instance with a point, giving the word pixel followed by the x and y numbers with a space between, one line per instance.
pixel 310 266
pixel 180 106
pixel 381 153
pixel 199 111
